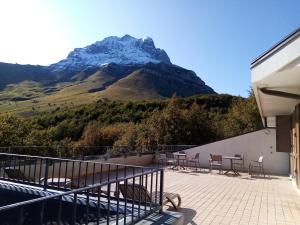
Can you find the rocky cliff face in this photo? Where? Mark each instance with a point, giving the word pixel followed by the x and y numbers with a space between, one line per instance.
pixel 126 50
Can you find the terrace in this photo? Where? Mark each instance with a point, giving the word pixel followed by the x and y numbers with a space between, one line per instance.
pixel 44 190
pixel 207 198
pixel 219 199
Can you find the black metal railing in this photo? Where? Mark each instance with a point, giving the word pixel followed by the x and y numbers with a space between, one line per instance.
pixel 88 191
pixel 87 151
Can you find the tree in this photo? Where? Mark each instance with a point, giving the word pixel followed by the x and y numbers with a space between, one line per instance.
pixel 243 117
pixel 13 130
pixel 199 128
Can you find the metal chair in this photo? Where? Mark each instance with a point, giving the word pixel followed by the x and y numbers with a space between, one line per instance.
pixel 215 161
pixel 162 159
pixel 257 164
pixel 171 159
pixel 182 159
pixel 195 161
pixel 239 164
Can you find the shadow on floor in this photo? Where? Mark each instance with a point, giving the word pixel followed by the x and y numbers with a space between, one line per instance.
pixel 255 177
pixel 188 213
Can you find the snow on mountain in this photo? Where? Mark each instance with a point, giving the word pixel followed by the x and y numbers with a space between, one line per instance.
pixel 126 50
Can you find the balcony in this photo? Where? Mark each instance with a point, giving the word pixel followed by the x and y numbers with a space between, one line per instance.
pixel 43 190
pixel 68 191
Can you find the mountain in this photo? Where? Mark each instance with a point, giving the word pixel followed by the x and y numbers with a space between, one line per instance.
pixel 123 68
pixel 15 73
pixel 156 81
pixel 126 50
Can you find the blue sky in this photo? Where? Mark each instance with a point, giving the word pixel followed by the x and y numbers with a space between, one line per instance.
pixel 216 39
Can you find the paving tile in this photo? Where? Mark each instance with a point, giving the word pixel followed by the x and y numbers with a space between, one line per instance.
pixel 219 199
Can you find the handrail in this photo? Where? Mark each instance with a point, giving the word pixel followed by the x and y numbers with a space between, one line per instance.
pixel 2 208
pixel 150 177
pixel 70 160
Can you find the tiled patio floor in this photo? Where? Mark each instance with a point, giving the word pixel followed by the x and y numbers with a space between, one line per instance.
pixel 220 199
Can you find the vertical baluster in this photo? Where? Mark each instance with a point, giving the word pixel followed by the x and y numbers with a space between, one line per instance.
pixel 20 218
pixel 133 195
pixel 146 186
pixel 24 169
pixel 15 162
pixel 108 177
pixel 87 206
pixel 161 190
pixel 125 197
pixel 79 168
pixel 118 201
pixel 34 170
pixel 74 214
pixel 66 173
pixel 98 205
pixel 101 170
pixel 93 178
pixel 72 175
pixel 53 171
pixel 86 173
pixel 59 173
pixel 41 216
pixel 140 189
pixel 46 174
pixel 59 211
pixel 19 168
pixel 108 201
pixel 156 188
pixel 40 171
pixel 151 189
pixel 29 170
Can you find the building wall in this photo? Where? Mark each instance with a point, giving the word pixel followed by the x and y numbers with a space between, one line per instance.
pixel 252 145
pixel 295 141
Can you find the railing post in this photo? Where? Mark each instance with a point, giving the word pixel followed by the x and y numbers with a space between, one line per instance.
pixel 46 174
pixel 161 190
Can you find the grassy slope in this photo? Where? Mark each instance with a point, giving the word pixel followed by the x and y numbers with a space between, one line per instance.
pixel 84 88
pixel 136 86
pixel 68 94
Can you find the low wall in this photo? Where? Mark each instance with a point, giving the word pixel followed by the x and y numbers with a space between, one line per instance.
pixel 137 160
pixel 64 169
pixel 252 145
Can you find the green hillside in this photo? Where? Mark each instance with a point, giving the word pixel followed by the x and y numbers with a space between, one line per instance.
pixel 38 90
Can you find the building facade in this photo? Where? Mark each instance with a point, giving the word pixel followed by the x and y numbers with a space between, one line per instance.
pixel 275 79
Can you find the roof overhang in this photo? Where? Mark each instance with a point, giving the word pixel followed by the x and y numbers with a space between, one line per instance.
pixel 276 78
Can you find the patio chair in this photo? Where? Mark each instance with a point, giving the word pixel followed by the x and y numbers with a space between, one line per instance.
pixel 17 174
pixel 195 161
pixel 138 193
pixel 182 160
pixel 162 159
pixel 239 164
pixel 257 164
pixel 216 161
pixel 170 159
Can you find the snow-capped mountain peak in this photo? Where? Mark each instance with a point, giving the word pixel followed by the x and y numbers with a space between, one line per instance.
pixel 126 50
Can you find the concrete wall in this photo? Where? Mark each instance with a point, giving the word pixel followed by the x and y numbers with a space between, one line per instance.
pixel 62 169
pixel 141 160
pixel 252 145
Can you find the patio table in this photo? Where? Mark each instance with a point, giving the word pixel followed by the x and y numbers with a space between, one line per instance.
pixel 178 157
pixel 232 169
